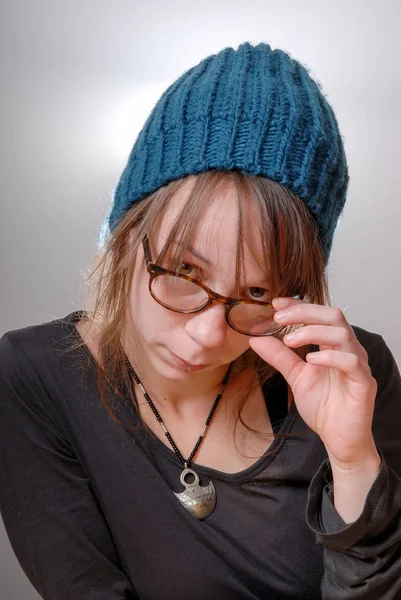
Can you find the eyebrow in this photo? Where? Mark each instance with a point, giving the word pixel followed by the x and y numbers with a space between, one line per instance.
pixel 195 253
pixel 199 256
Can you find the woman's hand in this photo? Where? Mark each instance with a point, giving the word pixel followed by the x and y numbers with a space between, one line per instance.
pixel 333 388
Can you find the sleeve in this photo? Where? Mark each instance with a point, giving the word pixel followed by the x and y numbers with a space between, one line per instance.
pixel 363 559
pixel 54 524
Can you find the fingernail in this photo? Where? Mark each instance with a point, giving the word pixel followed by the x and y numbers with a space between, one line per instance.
pixel 290 337
pixel 282 315
pixel 280 301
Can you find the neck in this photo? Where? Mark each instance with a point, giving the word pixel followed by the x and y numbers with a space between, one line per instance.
pixel 192 387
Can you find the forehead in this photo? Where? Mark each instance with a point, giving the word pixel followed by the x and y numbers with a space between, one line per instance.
pixel 216 229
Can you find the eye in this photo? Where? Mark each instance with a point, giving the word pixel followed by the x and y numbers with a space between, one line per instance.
pixel 186 268
pixel 258 294
pixel 190 270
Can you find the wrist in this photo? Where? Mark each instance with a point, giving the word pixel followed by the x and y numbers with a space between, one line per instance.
pixel 351 484
pixel 365 461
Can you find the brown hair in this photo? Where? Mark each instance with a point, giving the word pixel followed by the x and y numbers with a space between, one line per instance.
pixel 291 247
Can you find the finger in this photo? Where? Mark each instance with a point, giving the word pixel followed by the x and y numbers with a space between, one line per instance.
pixel 311 314
pixel 326 336
pixel 276 354
pixel 346 362
pixel 282 302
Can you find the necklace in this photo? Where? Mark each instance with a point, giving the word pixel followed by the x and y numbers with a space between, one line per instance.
pixel 198 500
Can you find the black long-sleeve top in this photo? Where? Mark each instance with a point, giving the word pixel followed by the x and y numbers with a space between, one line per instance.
pixel 90 511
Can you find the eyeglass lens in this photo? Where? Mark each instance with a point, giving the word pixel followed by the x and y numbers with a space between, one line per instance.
pixel 181 294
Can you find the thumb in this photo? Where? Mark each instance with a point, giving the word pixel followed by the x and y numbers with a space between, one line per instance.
pixel 278 355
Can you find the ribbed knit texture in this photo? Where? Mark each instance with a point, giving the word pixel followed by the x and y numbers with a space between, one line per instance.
pixel 253 109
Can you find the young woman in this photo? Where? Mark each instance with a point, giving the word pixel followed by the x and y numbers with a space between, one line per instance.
pixel 210 427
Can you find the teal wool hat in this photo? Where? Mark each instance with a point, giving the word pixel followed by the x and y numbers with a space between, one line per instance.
pixel 254 109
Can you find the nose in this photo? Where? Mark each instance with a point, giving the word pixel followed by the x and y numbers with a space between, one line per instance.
pixel 208 327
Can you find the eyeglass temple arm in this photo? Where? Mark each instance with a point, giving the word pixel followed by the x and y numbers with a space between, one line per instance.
pixel 146 250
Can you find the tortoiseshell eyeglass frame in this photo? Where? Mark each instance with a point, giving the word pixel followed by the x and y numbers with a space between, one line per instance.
pixel 155 270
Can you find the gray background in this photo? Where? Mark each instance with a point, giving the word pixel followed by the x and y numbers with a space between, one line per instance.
pixel 78 79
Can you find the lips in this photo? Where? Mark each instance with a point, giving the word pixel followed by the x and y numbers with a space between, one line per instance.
pixel 185 363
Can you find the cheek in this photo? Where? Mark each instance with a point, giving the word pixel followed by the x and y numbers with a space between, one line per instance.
pixel 150 318
pixel 238 342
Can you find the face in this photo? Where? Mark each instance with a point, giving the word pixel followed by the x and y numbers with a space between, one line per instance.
pixel 168 341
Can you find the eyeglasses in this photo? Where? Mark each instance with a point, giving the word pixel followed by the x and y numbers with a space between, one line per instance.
pixel 183 294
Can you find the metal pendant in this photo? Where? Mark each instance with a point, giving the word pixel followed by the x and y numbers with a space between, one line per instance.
pixel 197 499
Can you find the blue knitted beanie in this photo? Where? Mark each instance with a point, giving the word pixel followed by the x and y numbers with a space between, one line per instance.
pixel 254 109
